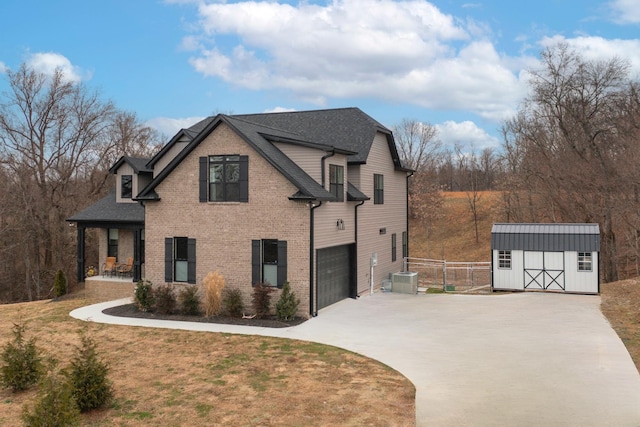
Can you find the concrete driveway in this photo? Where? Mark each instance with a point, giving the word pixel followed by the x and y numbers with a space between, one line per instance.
pixel 524 359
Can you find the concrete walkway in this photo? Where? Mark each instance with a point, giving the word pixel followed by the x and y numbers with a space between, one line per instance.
pixel 524 359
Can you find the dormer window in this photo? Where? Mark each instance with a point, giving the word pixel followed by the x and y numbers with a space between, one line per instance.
pixel 126 186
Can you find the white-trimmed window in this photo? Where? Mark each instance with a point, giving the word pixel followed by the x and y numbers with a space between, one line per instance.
pixel 504 259
pixel 585 261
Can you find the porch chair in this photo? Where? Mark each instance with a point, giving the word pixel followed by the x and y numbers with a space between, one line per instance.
pixel 126 269
pixel 109 266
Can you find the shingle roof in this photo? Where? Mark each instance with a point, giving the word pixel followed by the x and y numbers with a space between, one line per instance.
pixel 347 130
pixel 138 164
pixel 107 210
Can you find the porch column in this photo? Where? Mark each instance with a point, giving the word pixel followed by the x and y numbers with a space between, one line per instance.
pixel 80 255
pixel 137 254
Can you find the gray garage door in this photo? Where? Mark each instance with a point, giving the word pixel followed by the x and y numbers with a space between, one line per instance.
pixel 334 274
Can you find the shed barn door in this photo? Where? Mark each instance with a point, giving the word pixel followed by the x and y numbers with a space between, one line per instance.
pixel 544 270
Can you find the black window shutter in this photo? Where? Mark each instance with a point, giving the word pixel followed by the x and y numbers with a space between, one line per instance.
pixel 255 261
pixel 244 179
pixel 282 262
pixel 191 260
pixel 203 179
pixel 168 259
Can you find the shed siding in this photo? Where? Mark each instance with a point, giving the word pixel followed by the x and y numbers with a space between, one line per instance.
pixel 512 278
pixel 581 281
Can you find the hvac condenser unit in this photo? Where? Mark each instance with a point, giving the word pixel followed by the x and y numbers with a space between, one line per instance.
pixel 405 282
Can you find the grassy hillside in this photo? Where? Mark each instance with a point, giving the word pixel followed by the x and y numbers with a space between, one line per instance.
pixel 452 236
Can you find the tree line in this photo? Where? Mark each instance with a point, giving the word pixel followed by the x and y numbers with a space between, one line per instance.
pixel 57 141
pixel 570 154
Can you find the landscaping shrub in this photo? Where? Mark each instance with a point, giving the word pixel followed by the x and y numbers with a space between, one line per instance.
pixel 143 295
pixel 190 301
pixel 165 299
pixel 22 364
pixel 87 375
pixel 54 405
pixel 232 301
pixel 261 300
pixel 287 305
pixel 59 284
pixel 213 286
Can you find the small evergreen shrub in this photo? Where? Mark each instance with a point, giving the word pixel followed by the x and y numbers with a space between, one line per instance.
pixel 59 284
pixel 232 301
pixel 287 305
pixel 189 301
pixel 165 299
pixel 54 405
pixel 87 375
pixel 213 286
pixel 143 295
pixel 22 364
pixel 261 300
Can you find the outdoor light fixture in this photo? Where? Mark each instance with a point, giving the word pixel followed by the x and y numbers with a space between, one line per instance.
pixel 340 224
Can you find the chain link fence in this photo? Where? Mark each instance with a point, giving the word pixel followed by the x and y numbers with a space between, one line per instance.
pixel 451 276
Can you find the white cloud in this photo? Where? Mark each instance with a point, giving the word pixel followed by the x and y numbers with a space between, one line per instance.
pixel 169 127
pixel 466 134
pixel 48 62
pixel 626 11
pixel 280 110
pixel 3 68
pixel 400 51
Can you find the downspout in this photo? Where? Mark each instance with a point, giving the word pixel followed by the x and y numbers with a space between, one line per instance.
pixel 325 157
pixel 312 312
pixel 355 295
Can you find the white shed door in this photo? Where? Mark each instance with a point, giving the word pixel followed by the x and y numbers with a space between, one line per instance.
pixel 544 270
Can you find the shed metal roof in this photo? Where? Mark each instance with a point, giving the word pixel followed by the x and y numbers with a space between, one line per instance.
pixel 546 237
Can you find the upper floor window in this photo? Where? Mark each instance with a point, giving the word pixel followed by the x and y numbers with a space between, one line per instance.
pixel 224 178
pixel 336 182
pixel 504 259
pixel 585 261
pixel 126 186
pixel 378 189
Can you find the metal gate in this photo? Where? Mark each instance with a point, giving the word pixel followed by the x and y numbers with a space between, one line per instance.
pixel 544 270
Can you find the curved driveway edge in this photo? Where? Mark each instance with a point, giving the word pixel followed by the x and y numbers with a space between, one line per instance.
pixel 524 359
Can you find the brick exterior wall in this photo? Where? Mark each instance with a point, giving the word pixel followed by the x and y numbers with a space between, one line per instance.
pixel 224 231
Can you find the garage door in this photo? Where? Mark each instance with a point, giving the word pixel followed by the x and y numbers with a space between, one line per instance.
pixel 334 274
pixel 544 271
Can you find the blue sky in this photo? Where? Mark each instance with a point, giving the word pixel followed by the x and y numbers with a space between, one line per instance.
pixel 460 66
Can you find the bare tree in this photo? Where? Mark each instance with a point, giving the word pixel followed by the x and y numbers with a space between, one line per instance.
pixel 417 144
pixel 573 152
pixel 54 136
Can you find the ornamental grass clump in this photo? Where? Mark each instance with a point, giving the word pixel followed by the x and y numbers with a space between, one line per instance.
pixel 213 286
pixel 22 364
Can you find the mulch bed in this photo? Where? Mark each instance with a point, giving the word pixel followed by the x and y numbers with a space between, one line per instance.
pixel 131 310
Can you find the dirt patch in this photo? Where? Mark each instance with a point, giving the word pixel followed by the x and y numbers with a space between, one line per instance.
pixel 131 310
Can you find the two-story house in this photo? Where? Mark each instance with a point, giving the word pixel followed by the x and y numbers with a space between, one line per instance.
pixel 315 198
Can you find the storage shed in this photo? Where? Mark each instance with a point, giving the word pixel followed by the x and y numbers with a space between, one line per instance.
pixel 545 257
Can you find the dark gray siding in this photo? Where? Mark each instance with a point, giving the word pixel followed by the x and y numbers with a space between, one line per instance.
pixel 546 237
